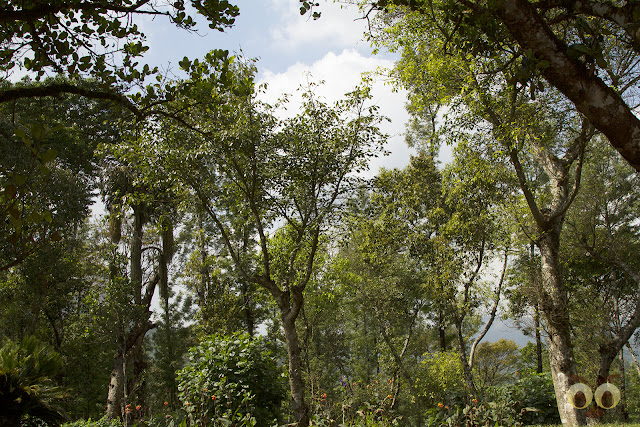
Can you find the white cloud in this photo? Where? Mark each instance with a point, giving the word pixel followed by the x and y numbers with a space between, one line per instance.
pixel 341 74
pixel 340 26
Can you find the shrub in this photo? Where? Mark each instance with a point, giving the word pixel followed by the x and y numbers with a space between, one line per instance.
pixel 228 378
pixel 103 422
pixel 536 391
pixel 27 392
pixel 440 378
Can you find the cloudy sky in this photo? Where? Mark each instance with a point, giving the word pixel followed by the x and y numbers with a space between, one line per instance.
pixel 293 50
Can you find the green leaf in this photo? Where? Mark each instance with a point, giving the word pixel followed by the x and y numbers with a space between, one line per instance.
pixel 49 155
pixel 20 179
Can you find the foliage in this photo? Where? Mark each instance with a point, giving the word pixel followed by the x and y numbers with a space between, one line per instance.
pixel 231 376
pixel 501 412
pixel 495 363
pixel 356 404
pixel 47 171
pixel 27 370
pixel 441 379
pixel 102 422
pixel 536 391
pixel 93 39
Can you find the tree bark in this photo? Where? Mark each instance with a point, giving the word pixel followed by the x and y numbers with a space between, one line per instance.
pixel 600 103
pixel 442 337
pixel 296 383
pixel 555 307
pixel 116 388
pixel 536 323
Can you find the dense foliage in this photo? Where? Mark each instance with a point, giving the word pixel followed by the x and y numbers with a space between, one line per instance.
pixel 307 293
pixel 231 377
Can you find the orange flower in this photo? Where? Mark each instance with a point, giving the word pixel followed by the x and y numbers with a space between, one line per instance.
pixel 390 397
pixel 474 400
pixel 138 407
pixel 166 403
pixel 188 404
pixel 440 405
pixel 213 397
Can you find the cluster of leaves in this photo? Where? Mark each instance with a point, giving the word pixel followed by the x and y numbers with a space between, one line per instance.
pixel 356 403
pixel 27 370
pixel 230 377
pixel 85 37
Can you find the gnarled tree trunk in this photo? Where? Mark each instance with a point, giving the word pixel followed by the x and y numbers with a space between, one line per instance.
pixel 554 302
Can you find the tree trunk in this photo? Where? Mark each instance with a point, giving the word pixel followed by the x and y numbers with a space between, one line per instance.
pixel 554 302
pixel 536 323
pixel 247 302
pixel 466 369
pixel 116 388
pixel 441 331
pixel 296 384
pixel 623 389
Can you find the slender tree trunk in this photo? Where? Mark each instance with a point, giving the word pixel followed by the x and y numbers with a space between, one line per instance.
pixel 554 302
pixel 623 389
pixel 249 316
pixel 462 350
pixel 442 331
pixel 296 383
pixel 536 324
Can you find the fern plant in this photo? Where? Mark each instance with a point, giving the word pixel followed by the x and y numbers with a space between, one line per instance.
pixel 27 389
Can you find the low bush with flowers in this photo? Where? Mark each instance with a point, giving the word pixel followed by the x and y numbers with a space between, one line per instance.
pixel 504 413
pixel 355 404
pixel 231 378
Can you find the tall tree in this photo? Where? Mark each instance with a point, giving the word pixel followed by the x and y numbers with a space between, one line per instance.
pixel 542 139
pixel 249 171
pixel 588 50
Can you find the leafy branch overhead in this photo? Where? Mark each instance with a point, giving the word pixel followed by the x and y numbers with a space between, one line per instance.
pixel 91 39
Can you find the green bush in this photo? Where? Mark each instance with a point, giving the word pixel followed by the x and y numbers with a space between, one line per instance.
pixel 536 391
pixel 103 422
pixel 440 379
pixel 232 378
pixel 28 395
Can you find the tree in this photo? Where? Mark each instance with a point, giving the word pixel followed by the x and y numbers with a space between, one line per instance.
pixel 48 171
pixel 575 46
pixel 602 248
pixel 81 39
pixel 496 363
pixel 542 139
pixel 251 172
